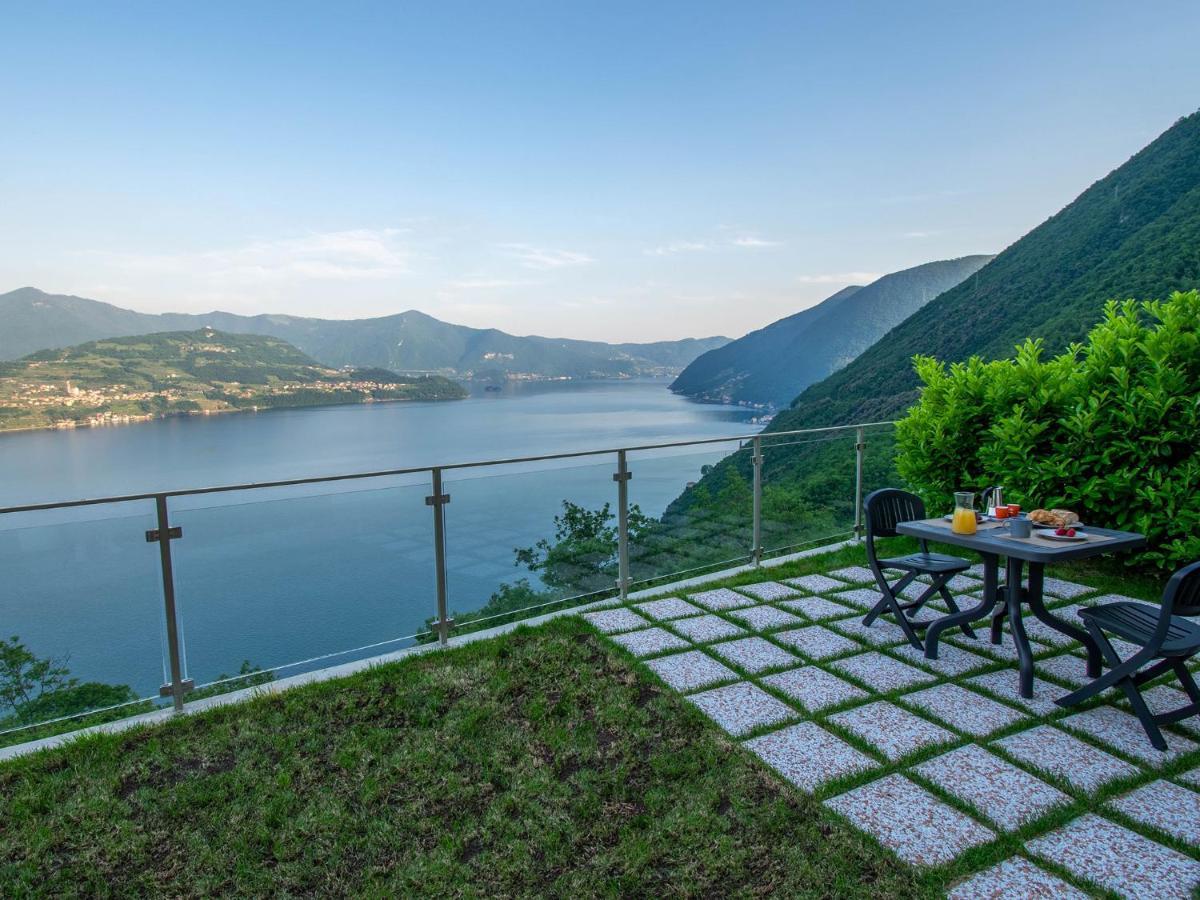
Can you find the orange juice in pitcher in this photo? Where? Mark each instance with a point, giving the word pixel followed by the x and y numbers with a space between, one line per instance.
pixel 963 521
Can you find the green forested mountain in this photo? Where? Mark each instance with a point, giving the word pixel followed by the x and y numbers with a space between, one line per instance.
pixel 203 371
pixel 411 341
pixel 772 365
pixel 1134 233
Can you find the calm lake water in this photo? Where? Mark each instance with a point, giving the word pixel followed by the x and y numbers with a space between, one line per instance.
pixel 283 576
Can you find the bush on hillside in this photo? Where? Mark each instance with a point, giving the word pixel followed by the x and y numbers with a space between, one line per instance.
pixel 1108 428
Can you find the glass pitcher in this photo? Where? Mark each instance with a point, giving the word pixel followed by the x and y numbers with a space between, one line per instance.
pixel 963 521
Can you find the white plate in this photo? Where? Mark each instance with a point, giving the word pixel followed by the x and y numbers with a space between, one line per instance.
pixel 1076 526
pixel 1051 536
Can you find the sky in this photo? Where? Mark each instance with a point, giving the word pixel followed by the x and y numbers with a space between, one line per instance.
pixel 612 171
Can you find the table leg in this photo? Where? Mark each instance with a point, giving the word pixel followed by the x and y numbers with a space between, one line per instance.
pixel 1020 639
pixel 935 629
pixel 1036 603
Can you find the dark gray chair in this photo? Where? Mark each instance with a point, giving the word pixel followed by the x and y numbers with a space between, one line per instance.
pixel 1167 640
pixel 884 510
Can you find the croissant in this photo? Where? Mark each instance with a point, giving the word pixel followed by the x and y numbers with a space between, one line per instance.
pixel 1059 518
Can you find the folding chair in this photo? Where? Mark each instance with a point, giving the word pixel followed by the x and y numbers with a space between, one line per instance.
pixel 885 509
pixel 1166 639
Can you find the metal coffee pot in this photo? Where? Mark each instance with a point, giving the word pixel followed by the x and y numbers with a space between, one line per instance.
pixel 992 498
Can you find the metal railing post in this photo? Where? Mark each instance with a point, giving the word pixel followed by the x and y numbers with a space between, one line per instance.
pixel 860 445
pixel 757 460
pixel 621 477
pixel 438 501
pixel 163 535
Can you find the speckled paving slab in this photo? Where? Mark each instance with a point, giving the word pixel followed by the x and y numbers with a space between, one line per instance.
pixel 721 598
pixel 882 673
pixel 951 660
pixel 976 571
pixel 649 642
pixel 893 731
pixel 690 671
pixel 817 642
pixel 1163 698
pixel 910 821
pixel 754 654
pixel 863 598
pixel 958 584
pixel 1015 879
pixel 1165 806
pixel 813 688
pixel 1112 598
pixel 1119 859
pixel 1081 765
pixel 1005 650
pixel 817 608
pixel 1008 796
pixel 611 621
pixel 815 584
pixel 1039 631
pixel 1006 684
pixel 1122 731
pixel 808 755
pixel 1068 590
pixel 670 608
pixel 854 574
pixel 1068 668
pixel 707 628
pixel 1192 777
pixel 768 590
pixel 964 710
pixel 880 633
pixel 761 618
pixel 742 707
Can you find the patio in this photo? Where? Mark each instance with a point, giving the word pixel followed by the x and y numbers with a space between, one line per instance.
pixel 941 761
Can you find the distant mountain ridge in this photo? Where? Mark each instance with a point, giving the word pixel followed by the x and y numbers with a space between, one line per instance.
pixel 1134 233
pixel 32 320
pixel 772 365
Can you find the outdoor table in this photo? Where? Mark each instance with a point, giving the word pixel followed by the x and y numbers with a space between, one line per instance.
pixel 992 541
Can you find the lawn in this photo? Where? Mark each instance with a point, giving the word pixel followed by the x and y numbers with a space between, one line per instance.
pixel 540 762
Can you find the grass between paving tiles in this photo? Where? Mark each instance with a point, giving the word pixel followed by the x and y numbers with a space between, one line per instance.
pixel 1006 844
pixel 544 761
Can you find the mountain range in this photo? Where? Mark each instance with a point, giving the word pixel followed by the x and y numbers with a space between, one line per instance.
pixel 412 341
pixel 769 367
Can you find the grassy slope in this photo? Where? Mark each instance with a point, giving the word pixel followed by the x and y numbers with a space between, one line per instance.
pixel 541 762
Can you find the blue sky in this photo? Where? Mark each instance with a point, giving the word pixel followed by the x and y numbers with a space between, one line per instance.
pixel 616 171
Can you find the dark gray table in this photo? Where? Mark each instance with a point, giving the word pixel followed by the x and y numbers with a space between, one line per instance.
pixel 993 543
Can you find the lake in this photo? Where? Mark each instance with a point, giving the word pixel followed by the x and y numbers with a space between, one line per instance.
pixel 296 577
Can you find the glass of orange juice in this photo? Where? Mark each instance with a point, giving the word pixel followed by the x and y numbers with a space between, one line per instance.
pixel 963 521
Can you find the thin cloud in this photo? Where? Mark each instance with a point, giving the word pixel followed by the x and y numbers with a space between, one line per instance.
pixel 743 241
pixel 545 258
pixel 749 240
pixel 840 278
pixel 680 247
pixel 917 235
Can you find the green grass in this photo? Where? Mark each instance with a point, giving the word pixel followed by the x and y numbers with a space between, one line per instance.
pixel 540 762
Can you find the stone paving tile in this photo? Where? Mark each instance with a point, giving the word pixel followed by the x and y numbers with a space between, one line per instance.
pixel 742 707
pixel 1069 668
pixel 910 821
pixel 976 571
pixel 692 670
pixel 1006 649
pixel 808 755
pixel 1038 630
pixel 951 660
pixel 760 618
pixel 958 584
pixel 863 598
pixel 1015 879
pixel 855 575
pixel 816 583
pixel 817 642
pixel 1122 731
pixel 649 642
pixel 1165 806
pixel 1119 859
pixel 611 621
pixel 721 598
pixel 707 628
pixel 1006 685
pixel 754 654
pixel 670 608
pixel 768 590
pixel 813 688
pixel 1112 598
pixel 1192 777
pixel 1009 796
pixel 881 672
pixel 893 731
pixel 1165 698
pixel 817 608
pixel 1068 590
pixel 880 633
pixel 1081 765
pixel 965 710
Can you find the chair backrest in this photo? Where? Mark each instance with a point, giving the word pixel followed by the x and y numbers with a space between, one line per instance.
pixel 888 507
pixel 1182 593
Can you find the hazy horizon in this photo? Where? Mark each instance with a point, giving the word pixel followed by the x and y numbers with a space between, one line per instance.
pixel 625 174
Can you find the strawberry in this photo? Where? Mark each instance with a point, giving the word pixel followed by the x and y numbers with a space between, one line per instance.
pixel 1070 532
pixel 1061 532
